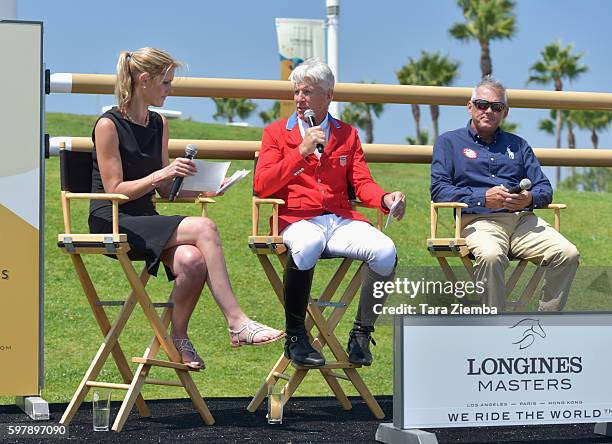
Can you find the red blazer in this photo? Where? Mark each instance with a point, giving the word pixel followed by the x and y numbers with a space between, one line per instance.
pixel 311 186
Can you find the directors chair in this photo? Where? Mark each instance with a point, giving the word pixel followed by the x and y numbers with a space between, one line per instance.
pixel 272 245
pixel 443 247
pixel 75 171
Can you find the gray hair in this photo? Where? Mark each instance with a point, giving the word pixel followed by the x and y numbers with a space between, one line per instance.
pixel 314 71
pixel 490 83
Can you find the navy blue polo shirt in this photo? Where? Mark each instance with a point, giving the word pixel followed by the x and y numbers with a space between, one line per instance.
pixel 464 167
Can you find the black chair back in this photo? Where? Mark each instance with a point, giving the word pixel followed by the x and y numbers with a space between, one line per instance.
pixel 75 171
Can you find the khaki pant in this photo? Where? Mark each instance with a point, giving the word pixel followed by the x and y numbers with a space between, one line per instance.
pixel 493 238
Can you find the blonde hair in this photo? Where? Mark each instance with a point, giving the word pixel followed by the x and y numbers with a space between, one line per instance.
pixel 155 62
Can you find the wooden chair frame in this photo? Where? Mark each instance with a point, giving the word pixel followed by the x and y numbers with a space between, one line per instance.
pixel 441 248
pixel 76 244
pixel 263 247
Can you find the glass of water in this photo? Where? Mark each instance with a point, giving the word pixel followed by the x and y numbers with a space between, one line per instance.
pixel 275 404
pixel 101 410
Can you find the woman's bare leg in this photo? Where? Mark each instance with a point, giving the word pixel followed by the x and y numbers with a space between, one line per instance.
pixel 202 233
pixel 189 267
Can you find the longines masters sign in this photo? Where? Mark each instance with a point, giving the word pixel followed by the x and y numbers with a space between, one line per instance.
pixel 468 371
pixel 21 163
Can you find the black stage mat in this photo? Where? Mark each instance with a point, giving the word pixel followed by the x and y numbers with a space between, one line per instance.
pixel 307 420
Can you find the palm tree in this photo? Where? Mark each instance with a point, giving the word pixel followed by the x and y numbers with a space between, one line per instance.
pixel 485 20
pixel 593 121
pixel 568 120
pixel 421 139
pixel 548 125
pixel 437 70
pixel 231 108
pixel 270 115
pixel 410 74
pixel 360 114
pixel 509 127
pixel 431 69
pixel 556 65
pixel 592 179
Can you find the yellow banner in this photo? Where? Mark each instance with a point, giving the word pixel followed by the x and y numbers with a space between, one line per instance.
pixel 18 309
pixel 287 107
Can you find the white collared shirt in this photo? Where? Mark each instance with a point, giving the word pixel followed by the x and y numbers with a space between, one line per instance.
pixel 324 126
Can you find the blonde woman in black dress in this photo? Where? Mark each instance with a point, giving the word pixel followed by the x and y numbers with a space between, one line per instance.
pixel 131 157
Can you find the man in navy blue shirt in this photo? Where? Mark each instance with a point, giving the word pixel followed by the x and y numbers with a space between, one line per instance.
pixel 479 165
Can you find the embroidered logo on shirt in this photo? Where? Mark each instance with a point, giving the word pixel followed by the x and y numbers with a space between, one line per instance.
pixel 510 152
pixel 342 160
pixel 469 153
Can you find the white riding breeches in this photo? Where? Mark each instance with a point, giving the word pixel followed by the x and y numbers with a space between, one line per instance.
pixel 337 236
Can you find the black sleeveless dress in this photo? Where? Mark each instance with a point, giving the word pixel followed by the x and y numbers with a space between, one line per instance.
pixel 141 153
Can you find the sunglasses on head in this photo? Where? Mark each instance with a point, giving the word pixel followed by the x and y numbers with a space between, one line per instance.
pixel 483 105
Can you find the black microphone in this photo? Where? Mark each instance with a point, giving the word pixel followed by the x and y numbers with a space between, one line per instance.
pixel 310 118
pixel 524 185
pixel 190 152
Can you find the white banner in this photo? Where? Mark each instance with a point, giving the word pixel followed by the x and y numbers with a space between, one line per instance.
pixel 466 371
pixel 298 40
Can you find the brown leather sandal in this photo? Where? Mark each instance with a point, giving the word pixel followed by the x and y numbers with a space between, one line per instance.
pixel 188 354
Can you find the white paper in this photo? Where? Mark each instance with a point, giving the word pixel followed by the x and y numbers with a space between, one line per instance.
pixel 209 176
pixel 392 213
pixel 235 178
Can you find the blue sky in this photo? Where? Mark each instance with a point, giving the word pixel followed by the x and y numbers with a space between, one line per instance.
pixel 237 39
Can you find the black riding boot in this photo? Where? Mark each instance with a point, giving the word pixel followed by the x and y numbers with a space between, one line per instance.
pixel 358 347
pixel 360 336
pixel 296 290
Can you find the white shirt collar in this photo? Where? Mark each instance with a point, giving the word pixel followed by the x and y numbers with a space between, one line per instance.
pixel 324 126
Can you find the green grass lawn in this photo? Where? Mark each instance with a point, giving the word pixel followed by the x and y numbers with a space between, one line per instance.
pixel 72 336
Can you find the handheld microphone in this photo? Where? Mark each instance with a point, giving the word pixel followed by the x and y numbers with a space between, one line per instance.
pixel 524 185
pixel 310 118
pixel 190 152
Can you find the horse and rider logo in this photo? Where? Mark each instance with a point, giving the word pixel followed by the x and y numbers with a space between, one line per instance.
pixel 531 329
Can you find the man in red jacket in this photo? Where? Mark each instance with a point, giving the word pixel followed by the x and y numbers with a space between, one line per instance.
pixel 317 217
